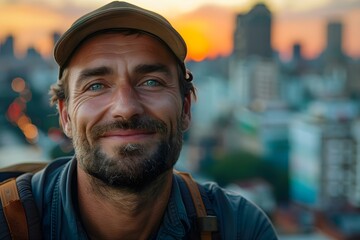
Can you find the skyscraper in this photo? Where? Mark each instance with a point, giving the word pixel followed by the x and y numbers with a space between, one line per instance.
pixel 253 71
pixel 333 51
pixel 323 160
pixel 253 33
pixel 7 48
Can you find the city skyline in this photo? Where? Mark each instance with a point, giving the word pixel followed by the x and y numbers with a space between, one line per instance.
pixel 207 27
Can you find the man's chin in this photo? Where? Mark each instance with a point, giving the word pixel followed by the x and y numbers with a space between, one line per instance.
pixel 131 166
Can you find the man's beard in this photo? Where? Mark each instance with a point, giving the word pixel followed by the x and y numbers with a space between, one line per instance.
pixel 131 167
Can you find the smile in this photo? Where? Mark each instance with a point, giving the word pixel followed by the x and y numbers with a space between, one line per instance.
pixel 130 135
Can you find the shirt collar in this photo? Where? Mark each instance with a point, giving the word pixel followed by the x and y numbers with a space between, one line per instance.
pixel 175 222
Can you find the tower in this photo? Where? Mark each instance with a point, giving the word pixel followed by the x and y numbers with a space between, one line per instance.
pixel 7 48
pixel 253 33
pixel 253 71
pixel 333 51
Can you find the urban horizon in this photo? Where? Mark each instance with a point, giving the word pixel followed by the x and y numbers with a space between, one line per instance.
pixel 208 29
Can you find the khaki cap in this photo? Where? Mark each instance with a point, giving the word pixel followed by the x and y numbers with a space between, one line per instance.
pixel 118 15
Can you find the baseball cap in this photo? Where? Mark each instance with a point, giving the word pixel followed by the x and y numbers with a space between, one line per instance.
pixel 118 15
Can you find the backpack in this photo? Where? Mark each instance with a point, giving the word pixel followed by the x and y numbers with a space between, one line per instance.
pixel 20 215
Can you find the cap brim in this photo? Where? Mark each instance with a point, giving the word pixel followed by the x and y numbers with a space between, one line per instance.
pixel 125 18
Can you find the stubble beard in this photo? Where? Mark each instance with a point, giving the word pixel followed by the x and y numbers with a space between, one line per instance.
pixel 132 167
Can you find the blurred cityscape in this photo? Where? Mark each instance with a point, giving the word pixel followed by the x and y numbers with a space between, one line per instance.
pixel 285 134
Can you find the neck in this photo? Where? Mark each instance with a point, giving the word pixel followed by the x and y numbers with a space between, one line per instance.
pixel 107 212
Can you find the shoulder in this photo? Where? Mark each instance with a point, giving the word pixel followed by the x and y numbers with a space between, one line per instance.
pixel 47 175
pixel 44 181
pixel 238 216
pixel 30 190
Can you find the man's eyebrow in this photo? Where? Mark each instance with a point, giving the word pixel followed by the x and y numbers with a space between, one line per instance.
pixel 150 68
pixel 93 72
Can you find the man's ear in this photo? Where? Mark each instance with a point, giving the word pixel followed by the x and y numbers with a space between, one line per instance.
pixel 65 120
pixel 186 114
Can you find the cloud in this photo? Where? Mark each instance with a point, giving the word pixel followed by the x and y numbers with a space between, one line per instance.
pixel 332 8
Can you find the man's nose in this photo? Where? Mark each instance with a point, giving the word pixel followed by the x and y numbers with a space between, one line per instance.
pixel 125 103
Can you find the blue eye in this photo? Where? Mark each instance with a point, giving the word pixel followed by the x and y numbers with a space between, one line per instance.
pixel 152 83
pixel 96 87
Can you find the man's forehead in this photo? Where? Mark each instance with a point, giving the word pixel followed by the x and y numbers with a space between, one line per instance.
pixel 139 55
pixel 124 35
pixel 142 41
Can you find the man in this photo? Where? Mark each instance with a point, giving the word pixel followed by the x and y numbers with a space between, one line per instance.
pixel 124 98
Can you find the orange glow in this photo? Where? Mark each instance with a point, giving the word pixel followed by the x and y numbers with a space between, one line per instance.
pixel 198 44
pixel 207 32
pixel 23 121
pixel 18 85
pixel 30 131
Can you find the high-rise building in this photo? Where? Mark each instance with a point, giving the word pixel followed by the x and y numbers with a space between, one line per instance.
pixel 355 195
pixel 333 51
pixel 253 72
pixel 255 88
pixel 322 158
pixel 254 81
pixel 252 36
pixel 7 48
pixel 297 55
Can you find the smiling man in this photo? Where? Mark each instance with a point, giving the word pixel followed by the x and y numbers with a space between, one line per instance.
pixel 124 109
pixel 124 98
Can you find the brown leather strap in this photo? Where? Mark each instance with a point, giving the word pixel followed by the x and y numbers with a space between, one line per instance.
pixel 195 193
pixel 13 210
pixel 206 223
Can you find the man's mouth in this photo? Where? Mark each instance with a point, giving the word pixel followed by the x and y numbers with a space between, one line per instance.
pixel 135 130
pixel 128 135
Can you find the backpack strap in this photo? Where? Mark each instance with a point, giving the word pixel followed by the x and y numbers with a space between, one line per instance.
pixel 206 223
pixel 13 210
pixel 23 183
pixel 19 214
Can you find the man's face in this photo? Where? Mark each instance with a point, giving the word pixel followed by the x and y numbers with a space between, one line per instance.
pixel 124 113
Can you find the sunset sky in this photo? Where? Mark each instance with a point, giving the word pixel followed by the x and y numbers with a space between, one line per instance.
pixel 207 25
